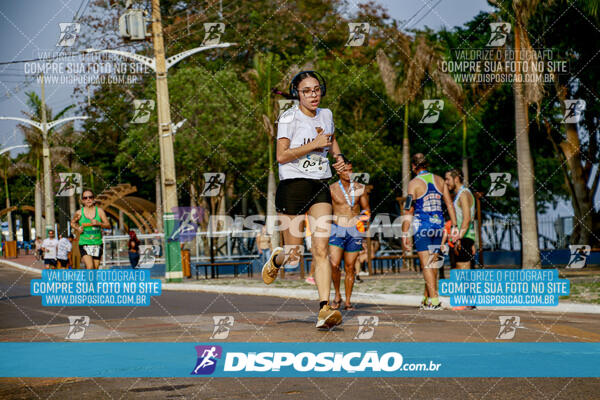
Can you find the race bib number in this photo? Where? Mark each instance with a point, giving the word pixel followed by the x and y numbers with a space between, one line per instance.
pixel 312 163
pixel 92 250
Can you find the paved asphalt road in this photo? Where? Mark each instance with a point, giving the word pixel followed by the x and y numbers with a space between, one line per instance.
pixel 187 317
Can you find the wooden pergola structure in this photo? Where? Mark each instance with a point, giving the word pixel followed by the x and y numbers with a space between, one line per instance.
pixel 140 211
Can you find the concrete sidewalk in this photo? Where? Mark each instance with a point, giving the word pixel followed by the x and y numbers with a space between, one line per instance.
pixel 411 300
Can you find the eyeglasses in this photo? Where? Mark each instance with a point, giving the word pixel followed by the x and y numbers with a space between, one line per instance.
pixel 87 197
pixel 309 91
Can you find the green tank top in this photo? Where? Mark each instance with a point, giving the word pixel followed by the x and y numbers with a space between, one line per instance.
pixel 470 234
pixel 91 234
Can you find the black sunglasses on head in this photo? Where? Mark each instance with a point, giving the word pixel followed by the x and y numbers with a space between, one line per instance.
pixel 87 197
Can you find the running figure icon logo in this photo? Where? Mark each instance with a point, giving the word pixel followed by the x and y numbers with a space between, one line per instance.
pixel 143 108
pixel 500 31
pixel 70 183
pixel 500 181
pixel 213 32
pixel 212 183
pixel 360 177
pixel 147 257
pixel 579 255
pixel 431 111
pixel 77 326
pixel 223 324
pixel 508 326
pixel 68 33
pixel 366 326
pixel 293 254
pixel 285 105
pixel 573 111
pixel 187 221
pixel 436 258
pixel 358 33
pixel 207 359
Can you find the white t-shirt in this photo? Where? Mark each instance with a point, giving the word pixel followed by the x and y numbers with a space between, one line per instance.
pixel 300 129
pixel 64 247
pixel 50 245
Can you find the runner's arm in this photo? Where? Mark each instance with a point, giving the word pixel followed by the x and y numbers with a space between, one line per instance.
pixel 337 154
pixel 466 212
pixel 407 220
pixel 364 200
pixel 75 221
pixel 285 154
pixel 104 224
pixel 448 202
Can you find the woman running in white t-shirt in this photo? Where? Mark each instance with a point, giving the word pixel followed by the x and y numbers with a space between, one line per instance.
pixel 305 136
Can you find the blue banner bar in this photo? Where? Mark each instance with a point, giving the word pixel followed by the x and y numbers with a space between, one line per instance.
pixel 366 359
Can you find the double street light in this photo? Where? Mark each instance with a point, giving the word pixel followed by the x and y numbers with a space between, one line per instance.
pixel 44 127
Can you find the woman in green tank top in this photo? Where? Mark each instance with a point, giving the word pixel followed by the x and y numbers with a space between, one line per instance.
pixel 89 222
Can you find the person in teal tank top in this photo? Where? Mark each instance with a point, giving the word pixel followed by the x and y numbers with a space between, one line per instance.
pixel 464 207
pixel 89 222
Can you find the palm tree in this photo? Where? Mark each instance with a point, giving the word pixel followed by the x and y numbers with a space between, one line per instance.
pixel 420 62
pixel 7 172
pixel 525 93
pixel 33 137
pixel 262 78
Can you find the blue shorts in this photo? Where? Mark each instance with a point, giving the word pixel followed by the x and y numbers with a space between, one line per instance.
pixel 428 236
pixel 347 238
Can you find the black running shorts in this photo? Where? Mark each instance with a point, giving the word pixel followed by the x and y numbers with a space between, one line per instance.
pixel 296 196
pixel 95 251
pixel 465 253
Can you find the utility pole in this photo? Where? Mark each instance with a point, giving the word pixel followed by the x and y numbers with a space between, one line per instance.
pixel 165 140
pixel 160 64
pixel 48 200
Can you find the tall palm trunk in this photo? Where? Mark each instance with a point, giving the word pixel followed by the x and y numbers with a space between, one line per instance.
pixel 38 202
pixel 465 162
pixel 193 202
pixel 583 224
pixel 271 212
pixel 405 154
pixel 530 247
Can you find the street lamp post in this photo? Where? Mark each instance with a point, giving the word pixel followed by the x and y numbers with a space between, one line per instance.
pixel 44 127
pixel 160 65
